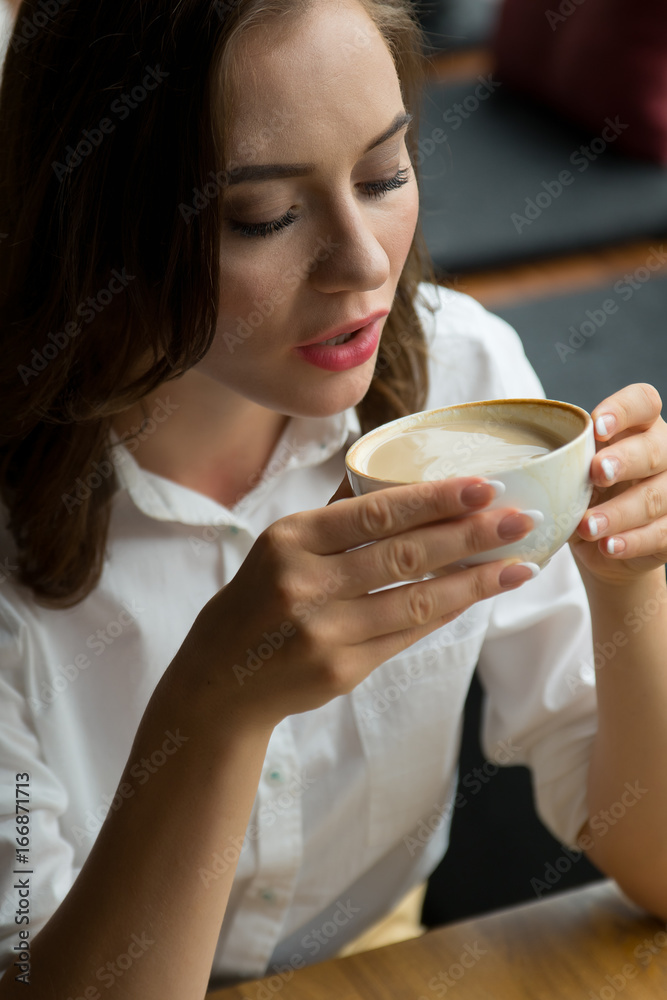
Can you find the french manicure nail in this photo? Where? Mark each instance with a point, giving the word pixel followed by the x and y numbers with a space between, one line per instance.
pixel 605 425
pixel 536 516
pixel 518 573
pixel 480 494
pixel 597 523
pixel 498 486
pixel 615 546
pixel 610 468
pixel 514 525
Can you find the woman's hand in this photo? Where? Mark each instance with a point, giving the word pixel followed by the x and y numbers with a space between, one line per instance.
pixel 623 534
pixel 298 626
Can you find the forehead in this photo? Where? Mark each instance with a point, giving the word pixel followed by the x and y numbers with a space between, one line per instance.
pixel 326 75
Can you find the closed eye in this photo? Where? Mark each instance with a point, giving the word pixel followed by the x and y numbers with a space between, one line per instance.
pixel 374 189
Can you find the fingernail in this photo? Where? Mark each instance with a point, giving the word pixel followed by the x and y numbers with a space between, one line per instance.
pixel 479 494
pixel 511 576
pixel 514 525
pixel 615 546
pixel 536 516
pixel 597 523
pixel 610 468
pixel 605 425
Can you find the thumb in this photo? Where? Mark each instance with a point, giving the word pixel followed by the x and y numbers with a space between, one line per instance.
pixel 343 492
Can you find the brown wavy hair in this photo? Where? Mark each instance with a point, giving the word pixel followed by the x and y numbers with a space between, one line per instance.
pixel 107 126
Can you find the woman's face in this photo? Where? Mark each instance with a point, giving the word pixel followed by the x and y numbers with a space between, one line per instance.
pixel 319 95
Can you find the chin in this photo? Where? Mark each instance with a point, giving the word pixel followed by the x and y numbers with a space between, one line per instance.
pixel 318 402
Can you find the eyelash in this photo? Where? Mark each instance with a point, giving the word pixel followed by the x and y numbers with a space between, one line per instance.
pixel 374 189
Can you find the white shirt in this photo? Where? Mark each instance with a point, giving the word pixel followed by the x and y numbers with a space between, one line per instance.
pixel 354 804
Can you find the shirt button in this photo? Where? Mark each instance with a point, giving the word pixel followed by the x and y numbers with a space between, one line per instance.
pixel 275 776
pixel 268 895
pixel 234 530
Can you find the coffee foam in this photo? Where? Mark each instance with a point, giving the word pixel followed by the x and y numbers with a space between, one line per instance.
pixel 462 448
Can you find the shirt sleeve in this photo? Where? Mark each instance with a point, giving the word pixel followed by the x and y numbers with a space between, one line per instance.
pixel 47 868
pixel 540 706
pixel 535 664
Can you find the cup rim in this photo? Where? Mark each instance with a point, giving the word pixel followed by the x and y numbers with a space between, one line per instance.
pixel 560 404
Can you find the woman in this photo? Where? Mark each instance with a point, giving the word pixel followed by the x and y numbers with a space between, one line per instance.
pixel 234 747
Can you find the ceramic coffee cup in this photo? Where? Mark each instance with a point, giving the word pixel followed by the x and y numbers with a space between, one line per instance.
pixel 557 483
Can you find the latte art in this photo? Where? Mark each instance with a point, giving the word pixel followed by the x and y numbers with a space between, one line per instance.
pixel 464 448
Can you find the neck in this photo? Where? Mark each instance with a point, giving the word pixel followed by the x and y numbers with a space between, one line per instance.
pixel 207 438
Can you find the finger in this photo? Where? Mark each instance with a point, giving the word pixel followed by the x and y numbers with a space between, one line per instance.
pixel 637 456
pixel 412 554
pixel 390 621
pixel 343 492
pixel 637 405
pixel 647 542
pixel 359 520
pixel 637 506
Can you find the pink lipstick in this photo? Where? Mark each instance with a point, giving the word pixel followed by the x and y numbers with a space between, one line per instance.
pixel 354 348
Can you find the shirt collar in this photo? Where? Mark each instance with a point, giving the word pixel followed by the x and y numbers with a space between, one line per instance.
pixel 305 441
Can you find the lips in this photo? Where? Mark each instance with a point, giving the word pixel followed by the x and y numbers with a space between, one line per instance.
pixel 343 331
pixel 357 350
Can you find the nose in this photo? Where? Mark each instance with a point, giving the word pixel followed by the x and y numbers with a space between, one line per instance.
pixel 351 256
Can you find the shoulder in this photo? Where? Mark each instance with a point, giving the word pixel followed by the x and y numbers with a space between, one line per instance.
pixel 473 354
pixel 455 314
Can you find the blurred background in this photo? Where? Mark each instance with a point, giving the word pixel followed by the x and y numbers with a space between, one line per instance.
pixel 543 158
pixel 543 162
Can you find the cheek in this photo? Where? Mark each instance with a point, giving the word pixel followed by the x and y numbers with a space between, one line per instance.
pixel 402 231
pixel 248 290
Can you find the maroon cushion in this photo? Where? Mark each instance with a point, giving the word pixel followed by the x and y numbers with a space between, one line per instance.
pixel 592 60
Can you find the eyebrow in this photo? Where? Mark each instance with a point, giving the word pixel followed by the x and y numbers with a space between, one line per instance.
pixel 270 171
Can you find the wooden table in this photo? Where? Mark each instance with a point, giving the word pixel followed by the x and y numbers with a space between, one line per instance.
pixel 586 944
